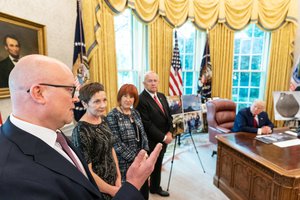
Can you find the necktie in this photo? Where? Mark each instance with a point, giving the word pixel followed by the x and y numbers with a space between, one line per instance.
pixel 63 143
pixel 159 104
pixel 15 60
pixel 255 122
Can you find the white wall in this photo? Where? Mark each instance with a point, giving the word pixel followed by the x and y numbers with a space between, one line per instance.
pixel 59 18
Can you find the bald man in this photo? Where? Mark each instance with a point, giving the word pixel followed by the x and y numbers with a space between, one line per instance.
pixel 253 119
pixel 157 121
pixel 34 162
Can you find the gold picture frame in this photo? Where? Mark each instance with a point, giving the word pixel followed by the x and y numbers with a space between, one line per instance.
pixel 30 35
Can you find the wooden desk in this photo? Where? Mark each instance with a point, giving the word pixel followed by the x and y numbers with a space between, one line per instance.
pixel 249 169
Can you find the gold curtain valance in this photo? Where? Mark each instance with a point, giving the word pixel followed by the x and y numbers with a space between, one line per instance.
pixel 206 13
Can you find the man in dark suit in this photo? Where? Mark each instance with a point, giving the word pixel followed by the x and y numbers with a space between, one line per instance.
pixel 157 122
pixel 253 119
pixel 36 162
pixel 12 46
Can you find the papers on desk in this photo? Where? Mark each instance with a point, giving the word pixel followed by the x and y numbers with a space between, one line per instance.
pixel 287 143
pixel 274 138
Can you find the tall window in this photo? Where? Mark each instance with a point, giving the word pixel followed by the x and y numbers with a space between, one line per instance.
pixel 251 48
pixel 191 46
pixel 131 47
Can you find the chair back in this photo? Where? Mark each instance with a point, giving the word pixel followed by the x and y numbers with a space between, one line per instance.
pixel 220 115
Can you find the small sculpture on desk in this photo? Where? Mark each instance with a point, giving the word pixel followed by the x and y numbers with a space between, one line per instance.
pixel 287 105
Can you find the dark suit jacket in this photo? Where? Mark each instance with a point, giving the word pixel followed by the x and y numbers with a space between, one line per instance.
pixel 6 66
pixel 155 122
pixel 31 169
pixel 244 121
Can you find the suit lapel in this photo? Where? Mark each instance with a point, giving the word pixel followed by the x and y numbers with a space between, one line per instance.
pixel 46 156
pixel 153 103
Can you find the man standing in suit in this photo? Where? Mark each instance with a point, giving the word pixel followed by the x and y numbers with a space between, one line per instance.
pixel 157 121
pixel 36 160
pixel 12 46
pixel 253 119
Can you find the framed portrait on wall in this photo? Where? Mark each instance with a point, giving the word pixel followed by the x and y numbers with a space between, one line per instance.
pixel 18 38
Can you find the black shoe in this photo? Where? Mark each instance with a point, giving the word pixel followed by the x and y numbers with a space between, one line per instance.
pixel 161 192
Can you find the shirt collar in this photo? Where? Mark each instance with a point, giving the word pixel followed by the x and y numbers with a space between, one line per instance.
pixel 45 134
pixel 151 94
pixel 12 59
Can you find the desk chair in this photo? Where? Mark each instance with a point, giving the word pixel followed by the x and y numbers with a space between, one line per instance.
pixel 220 118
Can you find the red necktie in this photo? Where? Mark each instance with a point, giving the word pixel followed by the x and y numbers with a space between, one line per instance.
pixel 255 122
pixel 159 104
pixel 63 143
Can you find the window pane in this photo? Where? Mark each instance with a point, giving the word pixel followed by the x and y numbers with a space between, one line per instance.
pixel 255 79
pixel 123 40
pixel 189 46
pixel 245 62
pixel 242 105
pixel 256 63
pixel 236 62
pixel 188 91
pixel 254 94
pixel 189 62
pixel 237 43
pixel 244 79
pixel 249 31
pixel 235 79
pixel 188 79
pixel 243 94
pixel 258 32
pixel 181 44
pixel 257 45
pixel 246 46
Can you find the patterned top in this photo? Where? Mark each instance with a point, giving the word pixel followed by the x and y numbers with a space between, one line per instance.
pixel 95 143
pixel 127 146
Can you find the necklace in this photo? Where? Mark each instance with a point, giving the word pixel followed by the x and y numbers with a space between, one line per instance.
pixel 133 123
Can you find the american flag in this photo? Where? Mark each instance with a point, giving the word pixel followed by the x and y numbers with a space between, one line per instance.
pixel 175 84
pixel 80 62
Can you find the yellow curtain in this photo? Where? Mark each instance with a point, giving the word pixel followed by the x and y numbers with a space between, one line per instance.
pixel 161 41
pixel 221 41
pixel 145 10
pixel 100 42
pixel 280 65
pixel 206 13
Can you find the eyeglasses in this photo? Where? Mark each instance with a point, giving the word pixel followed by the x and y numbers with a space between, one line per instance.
pixel 70 87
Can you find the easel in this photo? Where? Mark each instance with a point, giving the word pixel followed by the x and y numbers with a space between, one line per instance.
pixel 174 156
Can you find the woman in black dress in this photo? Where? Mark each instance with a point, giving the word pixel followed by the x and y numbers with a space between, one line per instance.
pixel 94 139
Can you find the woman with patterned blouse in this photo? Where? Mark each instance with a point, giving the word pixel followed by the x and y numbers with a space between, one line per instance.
pixel 94 139
pixel 126 125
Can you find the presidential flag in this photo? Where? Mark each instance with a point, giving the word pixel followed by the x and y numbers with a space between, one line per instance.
pixel 295 77
pixel 204 81
pixel 80 62
pixel 175 84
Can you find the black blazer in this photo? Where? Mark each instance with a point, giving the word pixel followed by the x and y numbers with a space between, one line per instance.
pixel 6 66
pixel 31 169
pixel 244 121
pixel 156 123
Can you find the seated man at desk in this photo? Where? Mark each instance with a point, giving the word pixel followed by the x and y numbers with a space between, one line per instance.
pixel 253 119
